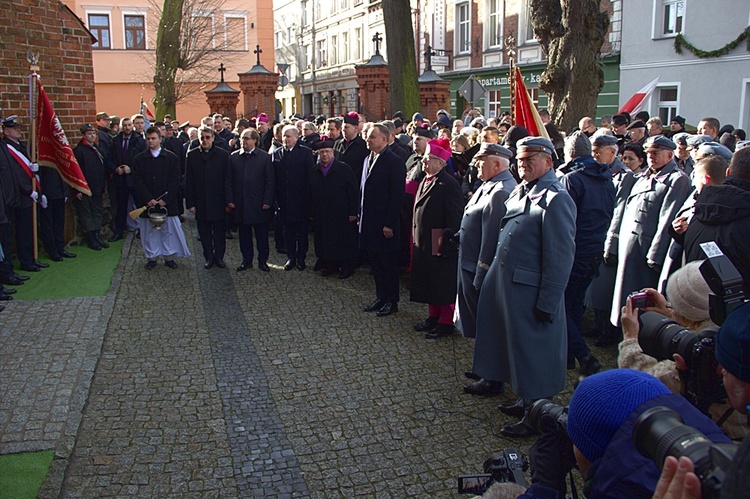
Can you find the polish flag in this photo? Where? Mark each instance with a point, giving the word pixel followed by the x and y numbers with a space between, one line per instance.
pixel 637 101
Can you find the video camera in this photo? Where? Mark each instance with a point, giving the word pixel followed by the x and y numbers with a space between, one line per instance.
pixel 506 466
pixel 661 337
pixel 660 432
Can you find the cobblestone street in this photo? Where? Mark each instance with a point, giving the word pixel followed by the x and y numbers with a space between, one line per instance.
pixel 214 383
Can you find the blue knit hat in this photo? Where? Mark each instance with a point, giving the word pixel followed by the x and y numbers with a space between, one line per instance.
pixel 733 343
pixel 602 402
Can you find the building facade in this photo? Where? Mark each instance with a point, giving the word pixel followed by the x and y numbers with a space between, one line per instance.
pixel 693 86
pixel 124 55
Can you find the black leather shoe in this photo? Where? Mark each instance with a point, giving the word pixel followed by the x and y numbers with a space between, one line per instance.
pixel 23 278
pixel 102 243
pixel 516 409
pixel 244 266
pixel 440 331
pixel 67 254
pixel 8 291
pixel 41 265
pixel 289 265
pixel 171 264
pixel 115 238
pixel 426 325
pixel 30 268
pixel 301 265
pixel 472 375
pixel 208 264
pixel 263 266
pixel 518 430
pixel 345 274
pixel 220 263
pixel 485 387
pixel 372 307
pixel 5 297
pixel 56 258
pixel 390 307
pixel 151 265
pixel 590 365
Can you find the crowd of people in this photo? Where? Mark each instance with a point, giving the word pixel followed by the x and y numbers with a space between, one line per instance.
pixel 506 236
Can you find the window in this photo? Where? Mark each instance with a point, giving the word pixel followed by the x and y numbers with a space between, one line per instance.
pixel 322 61
pixel 344 47
pixel 277 40
pixel 493 104
pixel 234 32
pixel 673 12
pixel 667 105
pixel 305 57
pixel 463 28
pixel 99 27
pixel 526 30
pixel 494 24
pixel 289 35
pixel 304 7
pixel 202 33
pixel 334 50
pixel 357 44
pixel 135 32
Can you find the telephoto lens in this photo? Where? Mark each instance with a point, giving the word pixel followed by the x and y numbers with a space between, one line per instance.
pixel 545 416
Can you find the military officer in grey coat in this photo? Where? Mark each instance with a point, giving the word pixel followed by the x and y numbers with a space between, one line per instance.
pixel 651 206
pixel 480 226
pixel 521 328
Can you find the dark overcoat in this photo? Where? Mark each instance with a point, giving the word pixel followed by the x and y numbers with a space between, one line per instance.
pixel 353 154
pixel 335 197
pixel 382 194
pixel 651 207
pixel 437 206
pixel 92 166
pixel 205 183
pixel 250 185
pixel 480 226
pixel 153 176
pixel 292 171
pixel 530 270
pixel 20 176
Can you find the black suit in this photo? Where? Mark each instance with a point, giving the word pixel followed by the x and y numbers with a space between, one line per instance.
pixel 353 153
pixel 292 169
pixel 249 186
pixel 205 179
pixel 382 196
pixel 123 183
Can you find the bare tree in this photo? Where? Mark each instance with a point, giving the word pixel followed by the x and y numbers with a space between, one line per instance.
pixel 571 33
pixel 402 63
pixel 189 39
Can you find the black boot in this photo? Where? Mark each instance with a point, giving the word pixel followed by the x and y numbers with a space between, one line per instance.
pixel 99 240
pixel 92 241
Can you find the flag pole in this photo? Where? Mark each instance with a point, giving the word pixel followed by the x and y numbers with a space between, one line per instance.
pixel 33 59
pixel 510 43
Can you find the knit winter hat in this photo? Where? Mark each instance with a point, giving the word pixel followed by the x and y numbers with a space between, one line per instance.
pixel 688 292
pixel 576 145
pixel 602 402
pixel 733 343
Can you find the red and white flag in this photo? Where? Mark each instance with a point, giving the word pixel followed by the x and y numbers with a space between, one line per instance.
pixel 53 148
pixel 526 113
pixel 638 101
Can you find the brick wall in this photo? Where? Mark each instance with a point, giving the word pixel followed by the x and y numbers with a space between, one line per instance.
pixel 65 61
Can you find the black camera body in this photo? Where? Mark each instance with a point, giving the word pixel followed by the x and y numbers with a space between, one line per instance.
pixel 505 466
pixel 660 432
pixel 662 337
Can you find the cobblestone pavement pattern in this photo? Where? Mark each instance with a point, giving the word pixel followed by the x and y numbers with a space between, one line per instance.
pixel 213 383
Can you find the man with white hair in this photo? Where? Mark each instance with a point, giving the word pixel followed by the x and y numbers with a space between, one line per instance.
pixel 293 164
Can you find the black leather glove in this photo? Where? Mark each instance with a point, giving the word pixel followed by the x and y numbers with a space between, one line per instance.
pixel 542 316
pixel 610 260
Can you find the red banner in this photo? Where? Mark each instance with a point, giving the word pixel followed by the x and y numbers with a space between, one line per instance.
pixel 53 148
pixel 526 113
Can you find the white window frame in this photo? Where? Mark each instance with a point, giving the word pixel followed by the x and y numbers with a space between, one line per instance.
pixel 321 52
pixel 358 43
pixel 657 28
pixel 656 103
pixel 744 119
pixel 333 54
pixel 135 11
pixel 493 105
pixel 524 26
pixel 235 14
pixel 209 14
pixel 101 10
pixel 344 55
pixel 463 47
pixel 499 22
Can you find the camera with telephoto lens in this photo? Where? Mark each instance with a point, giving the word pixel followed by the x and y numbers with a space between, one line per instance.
pixel 661 337
pixel 505 466
pixel 660 432
pixel 545 416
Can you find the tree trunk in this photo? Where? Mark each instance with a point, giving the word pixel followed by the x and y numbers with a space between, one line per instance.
pixel 571 33
pixel 167 58
pixel 402 63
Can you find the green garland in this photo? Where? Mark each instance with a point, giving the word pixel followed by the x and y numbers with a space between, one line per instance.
pixel 680 43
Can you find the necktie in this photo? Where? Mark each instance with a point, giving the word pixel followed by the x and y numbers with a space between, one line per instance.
pixel 370 163
pixel 125 141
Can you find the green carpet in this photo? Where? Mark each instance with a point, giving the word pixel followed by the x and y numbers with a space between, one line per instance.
pixel 90 274
pixel 21 475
